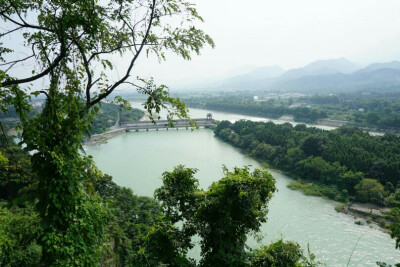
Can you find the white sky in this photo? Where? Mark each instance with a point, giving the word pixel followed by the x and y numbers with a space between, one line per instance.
pixel 289 33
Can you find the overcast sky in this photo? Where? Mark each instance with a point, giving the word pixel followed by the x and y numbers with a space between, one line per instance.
pixel 289 33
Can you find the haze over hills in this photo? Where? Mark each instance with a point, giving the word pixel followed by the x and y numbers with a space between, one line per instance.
pixel 253 76
pixel 322 76
pixel 377 66
pixel 321 67
pixel 375 77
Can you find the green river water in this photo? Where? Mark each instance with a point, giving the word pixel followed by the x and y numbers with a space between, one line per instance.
pixel 138 159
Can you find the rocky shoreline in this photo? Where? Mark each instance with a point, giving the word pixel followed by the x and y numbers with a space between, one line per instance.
pixel 366 214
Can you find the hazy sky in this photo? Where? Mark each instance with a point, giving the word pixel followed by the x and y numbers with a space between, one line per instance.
pixel 289 33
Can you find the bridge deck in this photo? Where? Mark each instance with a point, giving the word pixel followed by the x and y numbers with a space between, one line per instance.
pixel 164 124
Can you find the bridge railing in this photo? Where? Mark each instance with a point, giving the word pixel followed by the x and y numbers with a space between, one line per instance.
pixel 165 123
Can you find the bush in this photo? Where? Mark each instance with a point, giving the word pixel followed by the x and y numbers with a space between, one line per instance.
pixel 393 200
pixel 370 190
pixel 282 254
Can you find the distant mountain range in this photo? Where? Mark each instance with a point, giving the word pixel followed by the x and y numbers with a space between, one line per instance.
pixel 241 81
pixel 323 76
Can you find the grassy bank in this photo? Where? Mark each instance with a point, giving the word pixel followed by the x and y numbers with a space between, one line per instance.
pixel 320 190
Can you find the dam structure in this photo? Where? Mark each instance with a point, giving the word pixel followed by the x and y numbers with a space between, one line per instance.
pixel 164 124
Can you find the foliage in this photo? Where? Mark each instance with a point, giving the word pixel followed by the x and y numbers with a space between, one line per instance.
pixel 17 183
pixel 108 116
pixel 393 200
pixel 3 160
pixel 379 110
pixel 179 193
pixel 394 215
pixel 313 145
pixel 281 254
pixel 345 156
pixel 166 244
pixel 223 215
pixel 370 190
pixel 246 106
pixel 19 231
pixel 71 43
pixel 336 162
pixel 321 190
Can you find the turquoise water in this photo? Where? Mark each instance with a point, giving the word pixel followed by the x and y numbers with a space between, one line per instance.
pixel 138 159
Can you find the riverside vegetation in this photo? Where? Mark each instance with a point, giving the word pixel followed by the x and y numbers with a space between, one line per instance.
pixel 110 113
pixel 108 116
pixel 345 164
pixel 373 110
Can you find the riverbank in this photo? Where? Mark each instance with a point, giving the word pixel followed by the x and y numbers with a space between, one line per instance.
pixel 111 132
pixel 296 152
pixel 365 213
pixel 326 124
pixel 103 137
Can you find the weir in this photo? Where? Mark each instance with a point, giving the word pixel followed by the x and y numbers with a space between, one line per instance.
pixel 164 124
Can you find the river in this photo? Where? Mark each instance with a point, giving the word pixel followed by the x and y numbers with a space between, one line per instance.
pixel 138 159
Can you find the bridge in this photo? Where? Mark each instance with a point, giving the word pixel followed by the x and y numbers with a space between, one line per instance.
pixel 164 124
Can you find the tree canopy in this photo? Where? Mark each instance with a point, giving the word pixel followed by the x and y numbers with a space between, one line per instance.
pixel 68 46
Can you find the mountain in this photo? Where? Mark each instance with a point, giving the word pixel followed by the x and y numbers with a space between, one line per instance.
pixel 375 77
pixel 377 66
pixel 322 76
pixel 321 67
pixel 254 76
pixel 274 76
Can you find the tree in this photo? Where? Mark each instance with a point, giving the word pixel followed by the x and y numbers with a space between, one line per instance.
pixel 264 151
pixel 393 200
pixel 19 230
pixel 282 254
pixel 70 44
pixel 394 216
pixel 222 216
pixel 278 254
pixel 3 160
pixel 313 145
pixel 370 190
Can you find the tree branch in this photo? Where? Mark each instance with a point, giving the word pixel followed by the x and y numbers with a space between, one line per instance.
pixel 26 25
pixel 89 74
pixel 16 61
pixel 11 31
pixel 111 88
pixel 63 53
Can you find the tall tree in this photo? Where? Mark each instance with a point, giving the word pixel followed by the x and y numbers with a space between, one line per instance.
pixel 222 216
pixel 70 43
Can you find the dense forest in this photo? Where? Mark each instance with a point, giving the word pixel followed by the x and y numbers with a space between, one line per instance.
pixel 342 158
